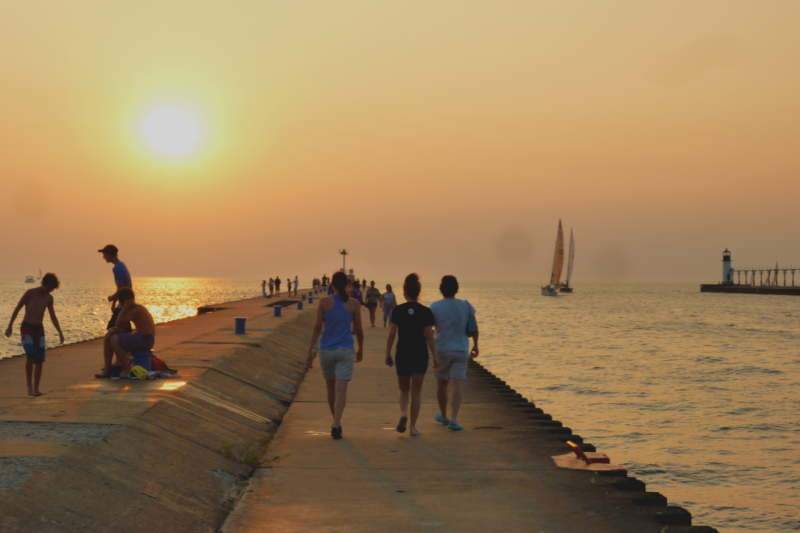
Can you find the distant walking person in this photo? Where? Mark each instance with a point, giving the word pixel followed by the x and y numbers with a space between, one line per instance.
pixel 355 292
pixel 413 322
pixel 453 318
pixel 36 301
pixel 388 302
pixel 271 287
pixel 277 286
pixel 264 288
pixel 337 313
pixel 373 296
pixel 295 285
pixel 122 278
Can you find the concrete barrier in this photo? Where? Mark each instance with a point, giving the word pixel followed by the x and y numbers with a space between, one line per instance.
pixel 152 456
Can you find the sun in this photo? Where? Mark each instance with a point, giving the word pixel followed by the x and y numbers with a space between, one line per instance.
pixel 172 131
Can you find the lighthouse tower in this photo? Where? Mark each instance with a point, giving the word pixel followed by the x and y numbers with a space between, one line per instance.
pixel 727 276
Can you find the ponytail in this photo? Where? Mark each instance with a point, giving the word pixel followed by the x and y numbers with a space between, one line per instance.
pixel 339 282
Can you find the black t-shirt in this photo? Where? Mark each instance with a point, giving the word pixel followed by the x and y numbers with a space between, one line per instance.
pixel 412 319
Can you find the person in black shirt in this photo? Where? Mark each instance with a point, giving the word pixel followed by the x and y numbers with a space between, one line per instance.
pixel 413 323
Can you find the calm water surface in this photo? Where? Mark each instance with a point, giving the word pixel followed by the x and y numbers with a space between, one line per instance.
pixel 695 393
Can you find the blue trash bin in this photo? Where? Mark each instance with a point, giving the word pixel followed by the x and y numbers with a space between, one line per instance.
pixel 277 310
pixel 240 325
pixel 142 358
pixel 299 306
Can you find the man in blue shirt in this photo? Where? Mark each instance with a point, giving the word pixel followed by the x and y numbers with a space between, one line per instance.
pixel 122 278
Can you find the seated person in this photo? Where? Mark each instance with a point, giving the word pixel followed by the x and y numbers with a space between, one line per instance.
pixel 122 344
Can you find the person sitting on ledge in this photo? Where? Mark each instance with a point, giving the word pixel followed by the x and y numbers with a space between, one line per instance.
pixel 122 344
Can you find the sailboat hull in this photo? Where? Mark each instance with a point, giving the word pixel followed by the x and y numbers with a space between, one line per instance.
pixel 549 291
pixel 565 289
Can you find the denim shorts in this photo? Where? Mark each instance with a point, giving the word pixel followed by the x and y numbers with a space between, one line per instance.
pixel 135 342
pixel 337 363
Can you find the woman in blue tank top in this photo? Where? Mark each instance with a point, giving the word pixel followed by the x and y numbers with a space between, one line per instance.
pixel 337 314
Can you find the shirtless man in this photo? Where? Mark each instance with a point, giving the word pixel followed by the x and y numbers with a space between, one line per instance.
pixel 122 344
pixel 32 327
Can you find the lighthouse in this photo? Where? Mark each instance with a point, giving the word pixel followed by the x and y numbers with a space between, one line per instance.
pixel 727 277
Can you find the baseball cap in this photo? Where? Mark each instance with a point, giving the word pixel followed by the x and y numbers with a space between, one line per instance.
pixel 109 249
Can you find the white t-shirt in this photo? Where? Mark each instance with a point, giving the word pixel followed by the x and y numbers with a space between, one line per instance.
pixel 388 299
pixel 451 315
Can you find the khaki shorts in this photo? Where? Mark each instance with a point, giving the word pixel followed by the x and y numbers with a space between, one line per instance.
pixel 338 363
pixel 452 364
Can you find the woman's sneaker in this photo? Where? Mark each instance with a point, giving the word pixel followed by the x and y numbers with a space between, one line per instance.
pixel 455 426
pixel 443 421
pixel 336 433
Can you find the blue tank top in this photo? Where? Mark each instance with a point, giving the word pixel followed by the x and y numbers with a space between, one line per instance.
pixel 338 326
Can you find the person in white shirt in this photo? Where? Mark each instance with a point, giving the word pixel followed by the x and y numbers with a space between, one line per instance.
pixel 453 318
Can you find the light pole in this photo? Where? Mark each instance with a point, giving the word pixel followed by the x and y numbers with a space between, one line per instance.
pixel 344 254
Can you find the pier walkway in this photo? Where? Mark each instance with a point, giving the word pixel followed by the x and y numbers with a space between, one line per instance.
pixel 496 475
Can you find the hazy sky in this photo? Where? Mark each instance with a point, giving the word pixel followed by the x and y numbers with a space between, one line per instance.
pixel 441 137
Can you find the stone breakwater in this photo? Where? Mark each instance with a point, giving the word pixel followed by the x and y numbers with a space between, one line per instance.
pixel 151 456
pixel 629 494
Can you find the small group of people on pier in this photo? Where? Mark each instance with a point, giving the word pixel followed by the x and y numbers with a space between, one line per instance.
pixel 274 286
pixel 119 340
pixel 412 325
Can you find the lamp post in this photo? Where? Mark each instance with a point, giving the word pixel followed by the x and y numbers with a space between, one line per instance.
pixel 344 254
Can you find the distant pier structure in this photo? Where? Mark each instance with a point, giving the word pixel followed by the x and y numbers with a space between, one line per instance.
pixel 732 279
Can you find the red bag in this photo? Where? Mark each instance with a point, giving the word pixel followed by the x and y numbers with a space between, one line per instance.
pixel 157 365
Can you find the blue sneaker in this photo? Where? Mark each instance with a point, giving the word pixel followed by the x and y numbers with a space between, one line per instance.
pixel 455 426
pixel 443 421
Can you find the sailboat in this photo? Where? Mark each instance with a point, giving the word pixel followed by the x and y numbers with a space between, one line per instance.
pixel 565 286
pixel 40 274
pixel 558 263
pixel 28 279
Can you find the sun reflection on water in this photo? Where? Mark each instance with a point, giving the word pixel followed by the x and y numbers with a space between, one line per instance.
pixel 84 311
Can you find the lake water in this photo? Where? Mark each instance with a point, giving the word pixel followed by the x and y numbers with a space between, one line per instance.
pixel 83 310
pixel 696 394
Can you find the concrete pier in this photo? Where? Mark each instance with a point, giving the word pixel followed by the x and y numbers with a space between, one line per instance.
pixel 496 475
pixel 152 456
pixel 750 289
pixel 104 455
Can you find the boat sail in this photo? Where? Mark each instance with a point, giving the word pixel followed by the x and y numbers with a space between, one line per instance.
pixel 565 286
pixel 558 263
pixel 40 274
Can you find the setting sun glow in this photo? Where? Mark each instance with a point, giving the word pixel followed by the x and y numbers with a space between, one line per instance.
pixel 172 131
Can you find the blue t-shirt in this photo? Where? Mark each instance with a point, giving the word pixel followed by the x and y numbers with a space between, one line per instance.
pixel 451 315
pixel 121 275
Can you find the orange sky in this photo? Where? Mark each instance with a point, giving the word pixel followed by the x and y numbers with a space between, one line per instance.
pixel 442 137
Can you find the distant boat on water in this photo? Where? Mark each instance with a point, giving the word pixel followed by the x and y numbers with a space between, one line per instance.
pixel 29 279
pixel 40 274
pixel 558 264
pixel 565 286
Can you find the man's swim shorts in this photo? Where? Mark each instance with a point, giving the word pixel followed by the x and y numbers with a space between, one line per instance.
pixel 33 341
